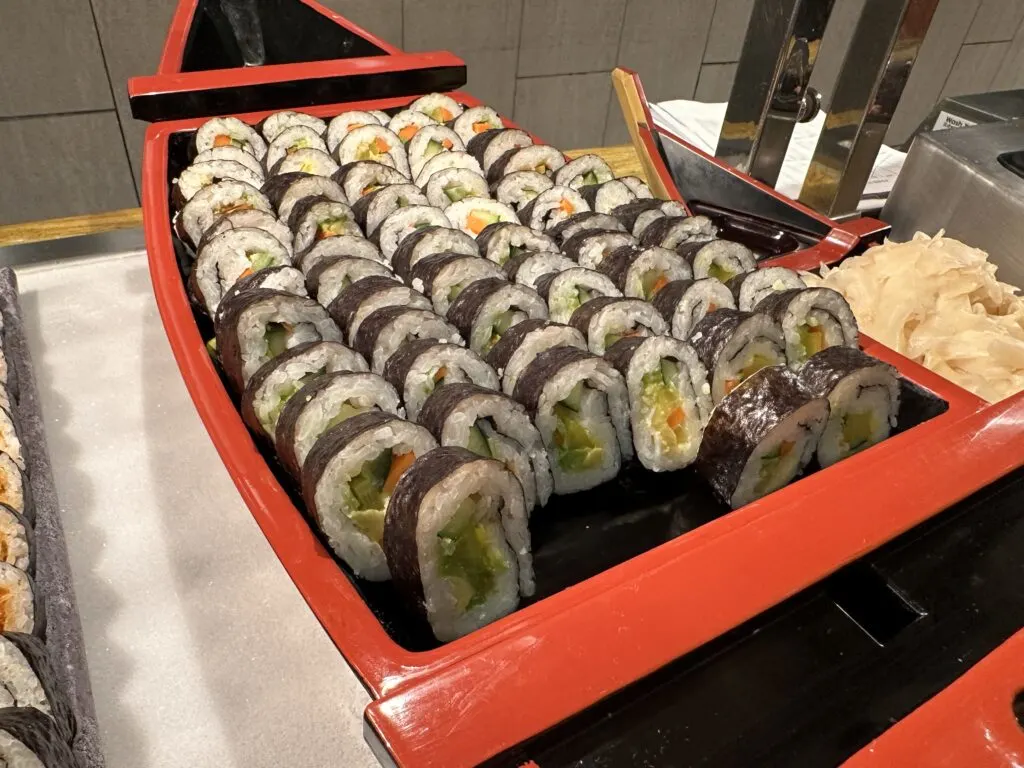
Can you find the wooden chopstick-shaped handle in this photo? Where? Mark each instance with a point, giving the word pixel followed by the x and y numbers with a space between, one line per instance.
pixel 633 111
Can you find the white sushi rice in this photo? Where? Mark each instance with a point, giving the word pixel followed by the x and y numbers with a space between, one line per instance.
pixel 539 264
pixel 655 259
pixel 377 143
pixel 539 157
pixel 234 154
pixel 242 136
pixel 755 337
pixel 522 301
pixel 228 256
pixel 476 120
pixel 440 106
pixel 461 365
pixel 410 325
pixel 291 139
pixel 763 283
pixel 725 255
pixel 463 212
pixel 430 141
pixel 256 220
pixel 216 200
pixel 874 390
pixel 343 273
pixel 637 186
pixel 627 317
pixel 278 122
pixel 342 125
pixel 390 199
pixel 20 685
pixel 516 237
pixel 440 240
pixel 308 228
pixel 404 221
pixel 308 187
pixel 252 327
pixel 343 245
pixel 600 245
pixel 18 612
pixel 553 206
pixel 400 295
pixel 702 297
pixel 457 275
pixel 10 443
pixel 200 175
pixel 611 195
pixel 535 342
pixel 450 185
pixel 288 279
pixel 406 118
pixel 506 140
pixel 519 188
pixel 308 160
pixel 572 173
pixel 564 291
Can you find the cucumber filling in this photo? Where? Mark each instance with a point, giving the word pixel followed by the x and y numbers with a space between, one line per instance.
pixel 346 410
pixel 756 363
pixel 366 494
pixel 653 281
pixel 259 260
pixel 331 228
pixel 777 467
pixel 501 324
pixel 285 394
pixel 720 273
pixel 468 558
pixel 611 338
pixel 590 177
pixel 661 400
pixel 456 192
pixel 576 448
pixel 276 337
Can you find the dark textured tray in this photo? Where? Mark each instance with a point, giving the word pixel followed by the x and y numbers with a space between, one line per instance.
pixel 53 572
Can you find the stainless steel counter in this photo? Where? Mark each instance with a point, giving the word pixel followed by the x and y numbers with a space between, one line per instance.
pixel 201 651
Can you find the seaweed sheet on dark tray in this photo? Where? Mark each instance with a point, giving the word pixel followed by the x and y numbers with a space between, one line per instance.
pixel 64 641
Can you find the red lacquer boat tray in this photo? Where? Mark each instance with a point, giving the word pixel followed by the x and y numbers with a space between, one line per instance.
pixel 630 576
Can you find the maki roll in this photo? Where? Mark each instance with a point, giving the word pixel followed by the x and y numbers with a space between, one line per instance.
pixel 519 188
pixel 364 177
pixel 539 157
pixel 761 436
pixel 373 207
pixel 735 345
pixel 457 541
pixel 453 184
pixel 286 279
pixel 606 197
pixel 201 175
pixel 376 143
pixel 448 161
pixel 317 218
pixel 579 404
pixel 473 214
pixel 488 308
pixel 403 222
pixel 426 242
pixel 277 380
pixel 230 132
pixel 606 319
pixel 520 345
pixel 291 139
pixel 589 247
pixel 864 399
pixel 585 170
pixel 348 477
pixel 637 186
pixel 28 680
pixel 275 124
pixel 639 214
pixel 431 140
pixel 14 488
pixel 669 398
pixel 673 231
pixel 342 125
pixel 580 222
pixel 30 739
pixel 259 325
pixel 251 219
pixel 475 121
pixel 489 146
pixel 641 272
pixel 235 155
pixel 568 290
pixel 385 330
pixel 355 303
pixel 287 190
pixel 419 367
pixel 440 106
pixel 720 259
pixel 551 207
pixel 341 245
pixel 17 545
pixel 441 277
pixel 10 443
pixel 748 288
pixel 494 426
pixel 684 303
pixel 406 123
pixel 21 608
pixel 812 319
pixel 527 267
pixel 230 256
pixel 324 402
pixel 503 240
pixel 214 201
pixel 333 274
pixel 309 160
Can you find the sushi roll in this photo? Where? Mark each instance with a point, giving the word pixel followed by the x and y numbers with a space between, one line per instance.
pixel 569 289
pixel 673 231
pixel 720 259
pixel 453 184
pixel 251 219
pixel 475 121
pixel 333 274
pixel 317 218
pixel 376 143
pixel 28 680
pixel 235 155
pixel 580 222
pixel 342 125
pixel 538 157
pixel 585 170
pixel 589 246
pixel 285 279
pixel 489 146
pixel 348 477
pixel 342 245
pixel 406 123
pixel 519 188
pixel 291 139
pixel 272 126
pixel 231 255
pixel 23 608
pixel 403 222
pixel 812 319
pixel 504 240
pixel 669 399
pixel 214 201
pixel 30 739
pixel 735 345
pixel 473 214
pixel 201 175
pixel 441 277
pixel 521 344
pixel 488 308
pixel 10 443
pixel 684 303
pixel 606 197
pixel 638 187
pixel 230 132
pixel 285 191
pixel 446 161
pixel 607 319
pixel 552 207
pixel 17 545
pixel 457 541
pixel 364 177
pixel 309 160
pixel 382 117
pixel 388 328
pixel 355 303
pixel 419 367
pixel 259 325
pixel 639 214
pixel 864 398
pixel 15 491
pixel 494 426
pixel 325 401
pixel 641 272
pixel 426 242
pixel 431 140
pixel 373 207
pixel 761 436
pixel 439 106
pixel 748 288
pixel 277 380
pixel 580 406
pixel 527 267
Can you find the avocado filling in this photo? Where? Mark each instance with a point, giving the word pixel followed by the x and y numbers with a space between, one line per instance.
pixel 858 428
pixel 456 192
pixel 576 448
pixel 659 395
pixel 502 323
pixel 366 494
pixel 276 337
pixel 812 339
pixel 259 260
pixel 720 273
pixel 468 558
pixel 777 467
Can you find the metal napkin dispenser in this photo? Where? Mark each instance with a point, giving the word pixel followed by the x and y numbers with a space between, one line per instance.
pixel 970 182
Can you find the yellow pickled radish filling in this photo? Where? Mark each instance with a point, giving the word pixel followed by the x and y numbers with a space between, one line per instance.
pixel 575 447
pixel 812 336
pixel 858 429
pixel 366 495
pixel 468 557
pixel 777 466
pixel 663 404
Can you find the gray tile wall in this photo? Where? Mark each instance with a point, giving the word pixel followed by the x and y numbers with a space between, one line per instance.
pixel 64 107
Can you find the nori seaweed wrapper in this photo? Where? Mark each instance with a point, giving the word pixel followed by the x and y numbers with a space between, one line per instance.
pixel 34 651
pixel 581 318
pixel 620 354
pixel 627 213
pixel 39 733
pixel 30 534
pixel 776 305
pixel 302 207
pixel 397 368
pixel 251 282
pixel 689 250
pixel 541 370
pixel 362 206
pixel 275 187
pixel 543 284
pixel 284 435
pixel 502 352
pixel 574 244
pixel 824 370
pixel 489 232
pixel 347 303
pixel 657 231
pixel 617 262
pixel 742 420
pixel 444 400
pixel 463 311
pixel 713 332
pixel 513 265
pixel 479 143
pixel 429 267
pixel 314 275
pixel 403 255
pixel 366 339
pixel 588 220
pixel 667 299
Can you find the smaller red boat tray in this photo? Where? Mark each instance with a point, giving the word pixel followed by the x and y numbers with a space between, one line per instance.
pixel 631 577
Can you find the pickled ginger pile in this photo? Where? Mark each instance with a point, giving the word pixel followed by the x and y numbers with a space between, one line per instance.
pixel 938 302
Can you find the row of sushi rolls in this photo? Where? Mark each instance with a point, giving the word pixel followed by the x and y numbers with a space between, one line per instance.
pixel 438 323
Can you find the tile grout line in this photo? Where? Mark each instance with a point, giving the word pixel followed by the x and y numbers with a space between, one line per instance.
pixel 43 115
pixel 519 55
pixel 616 63
pixel 959 50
